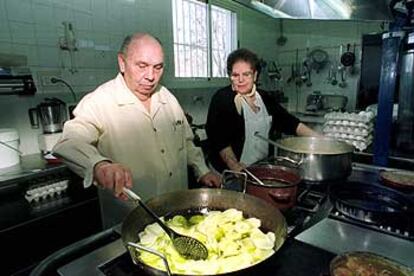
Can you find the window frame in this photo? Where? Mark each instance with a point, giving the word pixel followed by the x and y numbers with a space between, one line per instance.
pixel 235 38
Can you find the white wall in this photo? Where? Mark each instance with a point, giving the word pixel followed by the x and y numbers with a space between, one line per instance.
pixel 33 28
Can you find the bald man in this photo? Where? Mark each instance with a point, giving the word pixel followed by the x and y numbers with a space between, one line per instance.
pixel 131 132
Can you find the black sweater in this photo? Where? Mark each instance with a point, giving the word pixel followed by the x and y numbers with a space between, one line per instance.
pixel 225 127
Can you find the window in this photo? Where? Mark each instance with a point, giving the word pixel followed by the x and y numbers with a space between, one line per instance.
pixel 201 49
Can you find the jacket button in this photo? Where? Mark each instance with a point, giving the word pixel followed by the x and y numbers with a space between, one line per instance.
pixel 162 150
pixel 170 173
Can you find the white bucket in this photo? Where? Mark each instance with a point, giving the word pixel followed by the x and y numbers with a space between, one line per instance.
pixel 9 147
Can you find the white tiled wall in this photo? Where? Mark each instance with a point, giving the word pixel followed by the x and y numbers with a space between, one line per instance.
pixel 33 28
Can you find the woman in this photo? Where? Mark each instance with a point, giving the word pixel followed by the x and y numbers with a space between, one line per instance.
pixel 239 111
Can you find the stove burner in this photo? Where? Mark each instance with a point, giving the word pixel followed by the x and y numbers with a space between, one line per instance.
pixel 397 223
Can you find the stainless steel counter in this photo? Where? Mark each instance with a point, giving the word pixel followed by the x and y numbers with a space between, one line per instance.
pixel 339 237
pixel 29 166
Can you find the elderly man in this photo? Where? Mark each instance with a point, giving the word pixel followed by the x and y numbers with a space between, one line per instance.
pixel 131 132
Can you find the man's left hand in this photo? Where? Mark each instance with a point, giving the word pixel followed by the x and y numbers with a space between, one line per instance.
pixel 211 179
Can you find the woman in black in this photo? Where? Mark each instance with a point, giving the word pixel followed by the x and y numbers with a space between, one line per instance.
pixel 239 110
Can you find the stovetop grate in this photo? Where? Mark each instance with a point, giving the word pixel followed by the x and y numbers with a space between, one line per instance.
pixel 310 198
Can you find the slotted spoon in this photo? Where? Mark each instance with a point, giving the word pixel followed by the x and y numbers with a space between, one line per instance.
pixel 186 246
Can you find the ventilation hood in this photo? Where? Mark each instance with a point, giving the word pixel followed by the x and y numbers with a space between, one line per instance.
pixel 323 9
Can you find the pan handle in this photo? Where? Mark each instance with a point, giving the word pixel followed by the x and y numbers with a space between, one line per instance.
pixel 282 198
pixel 290 160
pixel 239 175
pixel 132 246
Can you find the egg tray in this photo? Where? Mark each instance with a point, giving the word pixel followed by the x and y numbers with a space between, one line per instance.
pixel 360 145
pixel 361 117
pixel 347 130
pixel 349 137
pixel 346 123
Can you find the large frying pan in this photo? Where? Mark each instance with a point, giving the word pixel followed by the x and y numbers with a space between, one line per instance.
pixel 197 201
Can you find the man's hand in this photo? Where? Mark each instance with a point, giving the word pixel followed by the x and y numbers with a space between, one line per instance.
pixel 114 177
pixel 211 179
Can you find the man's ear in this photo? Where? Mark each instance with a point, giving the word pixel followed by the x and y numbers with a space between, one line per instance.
pixel 121 63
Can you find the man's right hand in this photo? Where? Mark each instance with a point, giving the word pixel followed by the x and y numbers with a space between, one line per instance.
pixel 113 176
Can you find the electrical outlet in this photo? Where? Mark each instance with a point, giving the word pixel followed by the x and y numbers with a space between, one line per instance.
pixel 45 76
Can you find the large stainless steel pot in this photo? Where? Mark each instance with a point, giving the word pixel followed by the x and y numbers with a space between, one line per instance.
pixel 200 201
pixel 318 158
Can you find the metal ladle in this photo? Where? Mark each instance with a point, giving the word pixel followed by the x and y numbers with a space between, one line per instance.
pixel 186 246
pixel 254 177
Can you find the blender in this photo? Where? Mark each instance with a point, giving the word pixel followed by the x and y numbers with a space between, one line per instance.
pixel 51 114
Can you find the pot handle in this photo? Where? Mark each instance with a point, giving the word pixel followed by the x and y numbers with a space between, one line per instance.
pixel 239 175
pixel 290 160
pixel 132 246
pixel 280 197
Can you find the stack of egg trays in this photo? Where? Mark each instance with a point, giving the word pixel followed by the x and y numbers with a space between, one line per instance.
pixel 353 128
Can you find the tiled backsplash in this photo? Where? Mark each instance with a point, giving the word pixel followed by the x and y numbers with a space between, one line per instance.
pixel 33 28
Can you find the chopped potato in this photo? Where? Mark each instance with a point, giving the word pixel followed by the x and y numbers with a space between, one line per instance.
pixel 233 243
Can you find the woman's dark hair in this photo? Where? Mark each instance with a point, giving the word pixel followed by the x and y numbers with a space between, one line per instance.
pixel 243 55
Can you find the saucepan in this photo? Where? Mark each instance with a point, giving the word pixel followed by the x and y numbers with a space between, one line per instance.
pixel 319 159
pixel 196 201
pixel 278 185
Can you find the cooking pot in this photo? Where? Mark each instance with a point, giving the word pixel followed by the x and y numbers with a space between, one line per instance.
pixel 195 201
pixel 400 180
pixel 280 184
pixel 366 263
pixel 318 158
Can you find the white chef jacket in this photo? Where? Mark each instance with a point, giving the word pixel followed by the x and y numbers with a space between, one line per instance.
pixel 112 124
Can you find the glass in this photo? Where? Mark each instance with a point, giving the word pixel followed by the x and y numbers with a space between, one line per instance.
pixel 247 75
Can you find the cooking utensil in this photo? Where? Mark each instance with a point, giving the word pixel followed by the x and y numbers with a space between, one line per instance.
pixel 348 58
pixel 319 59
pixel 318 158
pixel 196 201
pixel 254 177
pixel 403 180
pixel 186 246
pixel 282 39
pixel 366 263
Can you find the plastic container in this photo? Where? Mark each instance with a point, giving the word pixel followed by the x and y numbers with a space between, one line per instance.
pixel 9 147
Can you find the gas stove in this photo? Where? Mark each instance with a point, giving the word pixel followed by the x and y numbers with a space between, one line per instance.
pixel 314 247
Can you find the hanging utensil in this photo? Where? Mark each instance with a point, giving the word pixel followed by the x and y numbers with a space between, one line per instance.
pixel 282 39
pixel 319 59
pixel 348 58
pixel 298 77
pixel 186 246
pixel 292 74
pixel 334 81
pixel 342 84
